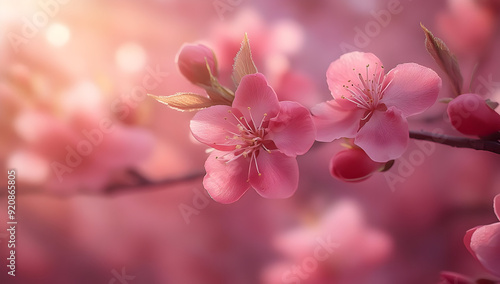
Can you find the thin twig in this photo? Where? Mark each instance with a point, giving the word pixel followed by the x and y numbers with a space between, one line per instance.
pixel 459 142
pixel 142 181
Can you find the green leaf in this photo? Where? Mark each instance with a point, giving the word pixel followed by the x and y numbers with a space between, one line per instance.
pixel 445 100
pixel 445 59
pixel 243 62
pixel 184 101
pixel 493 105
pixel 218 94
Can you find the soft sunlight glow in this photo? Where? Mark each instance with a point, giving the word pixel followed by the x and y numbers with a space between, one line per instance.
pixel 58 34
pixel 277 64
pixel 84 95
pixel 288 37
pixel 130 57
pixel 32 168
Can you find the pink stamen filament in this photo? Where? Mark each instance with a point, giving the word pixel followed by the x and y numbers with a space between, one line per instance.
pixel 256 164
pixel 368 92
pixel 251 136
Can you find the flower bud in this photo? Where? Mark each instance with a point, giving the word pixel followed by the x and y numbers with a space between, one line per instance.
pixel 483 242
pixel 192 60
pixel 353 165
pixel 471 115
pixel 447 277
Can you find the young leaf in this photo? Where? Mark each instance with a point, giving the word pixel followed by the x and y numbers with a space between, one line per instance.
pixel 184 101
pixel 445 100
pixel 493 105
pixel 444 58
pixel 243 62
pixel 218 93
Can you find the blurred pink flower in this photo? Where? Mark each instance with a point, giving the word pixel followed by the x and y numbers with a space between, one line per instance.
pixel 468 26
pixel 291 85
pixel 274 45
pixel 372 107
pixel 353 165
pixel 73 144
pixel 470 115
pixel 342 244
pixel 256 142
pixel 83 154
pixel 454 278
pixel 447 277
pixel 272 42
pixel 192 61
pixel 483 242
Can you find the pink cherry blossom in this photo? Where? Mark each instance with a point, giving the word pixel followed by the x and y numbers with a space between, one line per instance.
pixel 274 44
pixel 372 106
pixel 343 244
pixel 256 142
pixel 483 242
pixel 76 155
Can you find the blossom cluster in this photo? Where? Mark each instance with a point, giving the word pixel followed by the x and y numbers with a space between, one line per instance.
pixel 254 137
pixel 333 145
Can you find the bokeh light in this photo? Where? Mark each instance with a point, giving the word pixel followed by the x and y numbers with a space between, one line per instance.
pixel 130 57
pixel 58 34
pixel 110 182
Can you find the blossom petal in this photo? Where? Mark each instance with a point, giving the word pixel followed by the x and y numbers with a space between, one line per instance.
pixel 496 206
pixel 467 240
pixel 254 98
pixel 385 136
pixel 279 175
pixel 413 88
pixel 471 115
pixel 353 165
pixel 212 126
pixel 447 277
pixel 333 121
pixel 346 70
pixel 485 242
pixel 293 129
pixel 226 182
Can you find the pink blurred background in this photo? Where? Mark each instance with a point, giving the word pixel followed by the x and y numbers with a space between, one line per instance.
pixel 109 181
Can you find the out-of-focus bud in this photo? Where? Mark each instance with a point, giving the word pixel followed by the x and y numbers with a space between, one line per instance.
pixel 192 60
pixel 453 278
pixel 471 115
pixel 354 165
pixel 483 242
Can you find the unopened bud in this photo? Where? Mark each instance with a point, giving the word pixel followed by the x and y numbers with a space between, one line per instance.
pixel 471 115
pixel 454 278
pixel 193 59
pixel 353 165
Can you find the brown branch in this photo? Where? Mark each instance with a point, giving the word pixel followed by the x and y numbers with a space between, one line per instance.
pixel 141 181
pixel 459 142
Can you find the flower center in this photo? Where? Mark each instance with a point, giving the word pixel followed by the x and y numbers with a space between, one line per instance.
pixel 366 92
pixel 249 139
